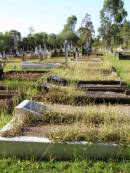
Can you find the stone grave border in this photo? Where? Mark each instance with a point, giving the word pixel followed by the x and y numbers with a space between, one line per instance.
pixel 13 72
pixel 43 148
pixel 28 66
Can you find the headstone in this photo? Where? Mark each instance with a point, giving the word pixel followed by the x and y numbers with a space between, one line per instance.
pixel 27 65
pixel 28 107
pixel 36 53
pixel 66 50
pixel 1 73
pixel 45 87
pixel 57 80
pixel 4 54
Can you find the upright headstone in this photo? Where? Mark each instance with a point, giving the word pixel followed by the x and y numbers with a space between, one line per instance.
pixel 4 54
pixel 36 53
pixel 1 73
pixel 66 50
pixel 40 53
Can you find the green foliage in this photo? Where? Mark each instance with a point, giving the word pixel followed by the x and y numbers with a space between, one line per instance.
pixel 71 24
pixel 122 67
pixel 86 30
pixel 125 33
pixel 68 32
pixel 112 15
pixel 11 165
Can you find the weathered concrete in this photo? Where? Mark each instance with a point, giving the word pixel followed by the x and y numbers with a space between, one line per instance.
pixel 57 80
pixel 43 148
pixel 27 66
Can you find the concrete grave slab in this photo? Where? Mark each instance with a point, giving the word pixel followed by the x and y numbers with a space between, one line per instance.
pixel 30 107
pixel 57 80
pixel 43 148
pixel 45 87
pixel 23 112
pixel 102 82
pixel 27 65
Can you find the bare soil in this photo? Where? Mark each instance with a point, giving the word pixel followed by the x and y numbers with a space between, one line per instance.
pixel 39 129
pixel 24 75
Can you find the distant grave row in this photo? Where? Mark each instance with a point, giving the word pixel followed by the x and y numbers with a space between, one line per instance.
pixel 108 91
pixel 123 55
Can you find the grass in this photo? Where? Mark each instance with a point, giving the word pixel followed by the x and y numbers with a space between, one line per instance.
pixel 61 95
pixel 74 72
pixel 15 64
pixel 4 118
pixel 122 67
pixel 89 123
pixel 82 71
pixel 68 123
pixel 11 165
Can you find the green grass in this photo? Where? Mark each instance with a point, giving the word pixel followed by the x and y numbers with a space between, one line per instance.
pixel 110 124
pixel 24 166
pixel 15 64
pixel 17 166
pixel 4 118
pixel 82 71
pixel 122 67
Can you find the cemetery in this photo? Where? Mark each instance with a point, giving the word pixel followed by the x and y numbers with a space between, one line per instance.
pixel 65 96
pixel 63 114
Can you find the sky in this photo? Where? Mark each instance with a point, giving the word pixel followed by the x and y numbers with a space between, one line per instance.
pixel 48 15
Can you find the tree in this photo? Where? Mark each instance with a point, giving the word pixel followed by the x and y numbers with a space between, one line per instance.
pixel 7 40
pixel 16 36
pixel 71 24
pixel 40 38
pixel 112 16
pixel 68 32
pixel 125 33
pixel 86 31
pixel 52 40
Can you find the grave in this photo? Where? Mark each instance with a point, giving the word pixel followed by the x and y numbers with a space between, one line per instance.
pixel 57 80
pixel 123 56
pixel 104 88
pixel 43 148
pixel 24 75
pixel 105 91
pixel 45 87
pixel 102 82
pixel 97 92
pixel 26 111
pixel 28 144
pixel 28 65
pixel 30 108
pixel 100 97
pixel 112 86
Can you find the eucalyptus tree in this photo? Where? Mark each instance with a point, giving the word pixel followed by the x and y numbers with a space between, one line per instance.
pixel 125 33
pixel 112 15
pixel 86 30
pixel 52 40
pixel 69 32
pixel 16 38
